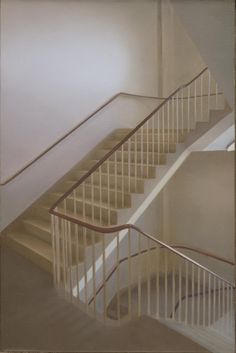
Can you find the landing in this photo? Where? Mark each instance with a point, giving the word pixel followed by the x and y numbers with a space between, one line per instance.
pixel 35 318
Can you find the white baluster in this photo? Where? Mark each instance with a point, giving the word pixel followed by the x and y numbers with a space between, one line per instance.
pixel 116 183
pixel 70 259
pixel 193 298
pixel 118 276
pixel 122 176
pixel 158 140
pixel 129 276
pixel 168 125
pixel 77 259
pixel 129 163
pixel 148 278
pixel 209 299
pixel 176 100
pixel 195 101
pixel 85 267
pixel 108 191
pixel 166 284
pixel 173 292
pixel 153 139
pixel 186 292
pixel 214 299
pixel 204 297
pixel 139 274
pixel 147 161
pixel 216 96
pixel 157 283
pixel 182 111
pixel 188 108
pixel 201 98
pixel 180 291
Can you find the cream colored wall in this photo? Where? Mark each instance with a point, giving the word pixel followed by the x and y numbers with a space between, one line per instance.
pixel 181 60
pixel 201 203
pixel 61 59
pixel 210 23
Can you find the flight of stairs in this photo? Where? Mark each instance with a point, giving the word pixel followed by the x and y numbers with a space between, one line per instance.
pixel 30 235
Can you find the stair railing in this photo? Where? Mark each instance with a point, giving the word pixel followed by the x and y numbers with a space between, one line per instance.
pixel 87 244
pixel 125 276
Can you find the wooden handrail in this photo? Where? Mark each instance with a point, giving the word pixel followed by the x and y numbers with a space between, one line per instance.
pixel 71 131
pixel 115 229
pixel 116 147
pixel 27 165
pixel 205 253
pixel 154 248
pixel 191 295
pixel 102 229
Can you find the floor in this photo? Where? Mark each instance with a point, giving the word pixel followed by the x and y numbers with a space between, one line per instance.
pixel 34 317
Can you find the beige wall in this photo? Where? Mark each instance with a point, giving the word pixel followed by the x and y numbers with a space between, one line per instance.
pixel 201 203
pixel 181 60
pixel 61 59
pixel 196 209
pixel 210 23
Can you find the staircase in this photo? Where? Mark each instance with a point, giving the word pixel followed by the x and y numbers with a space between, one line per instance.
pixel 99 260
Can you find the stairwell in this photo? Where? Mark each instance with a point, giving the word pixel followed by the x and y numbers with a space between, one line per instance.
pixel 91 247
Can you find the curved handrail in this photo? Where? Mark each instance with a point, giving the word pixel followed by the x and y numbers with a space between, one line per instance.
pixel 61 214
pixel 193 295
pixel 115 229
pixel 54 144
pixel 58 141
pixel 151 249
pixel 205 253
pixel 116 147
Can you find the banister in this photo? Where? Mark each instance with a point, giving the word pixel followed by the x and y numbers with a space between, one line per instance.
pixel 205 253
pixel 70 132
pixel 58 141
pixel 73 219
pixel 161 247
pixel 115 148
pixel 192 295
pixel 118 228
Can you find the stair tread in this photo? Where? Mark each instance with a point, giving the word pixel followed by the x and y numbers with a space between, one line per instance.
pixel 33 243
pixel 207 334
pixel 96 203
pixel 38 222
pixel 119 151
pixel 87 219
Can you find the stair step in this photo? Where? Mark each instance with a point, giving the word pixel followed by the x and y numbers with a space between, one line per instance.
pixel 169 135
pixel 152 146
pixel 117 199
pixel 204 336
pixel 142 170
pixel 39 228
pixel 148 157
pixel 31 247
pixel 87 208
pixel 123 184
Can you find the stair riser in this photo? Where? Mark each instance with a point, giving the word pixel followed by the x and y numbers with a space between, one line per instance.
pixel 38 232
pixel 140 172
pixel 117 199
pixel 122 183
pixel 106 216
pixel 167 138
pixel 146 158
pixel 156 147
pixel 125 169
pixel 40 261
